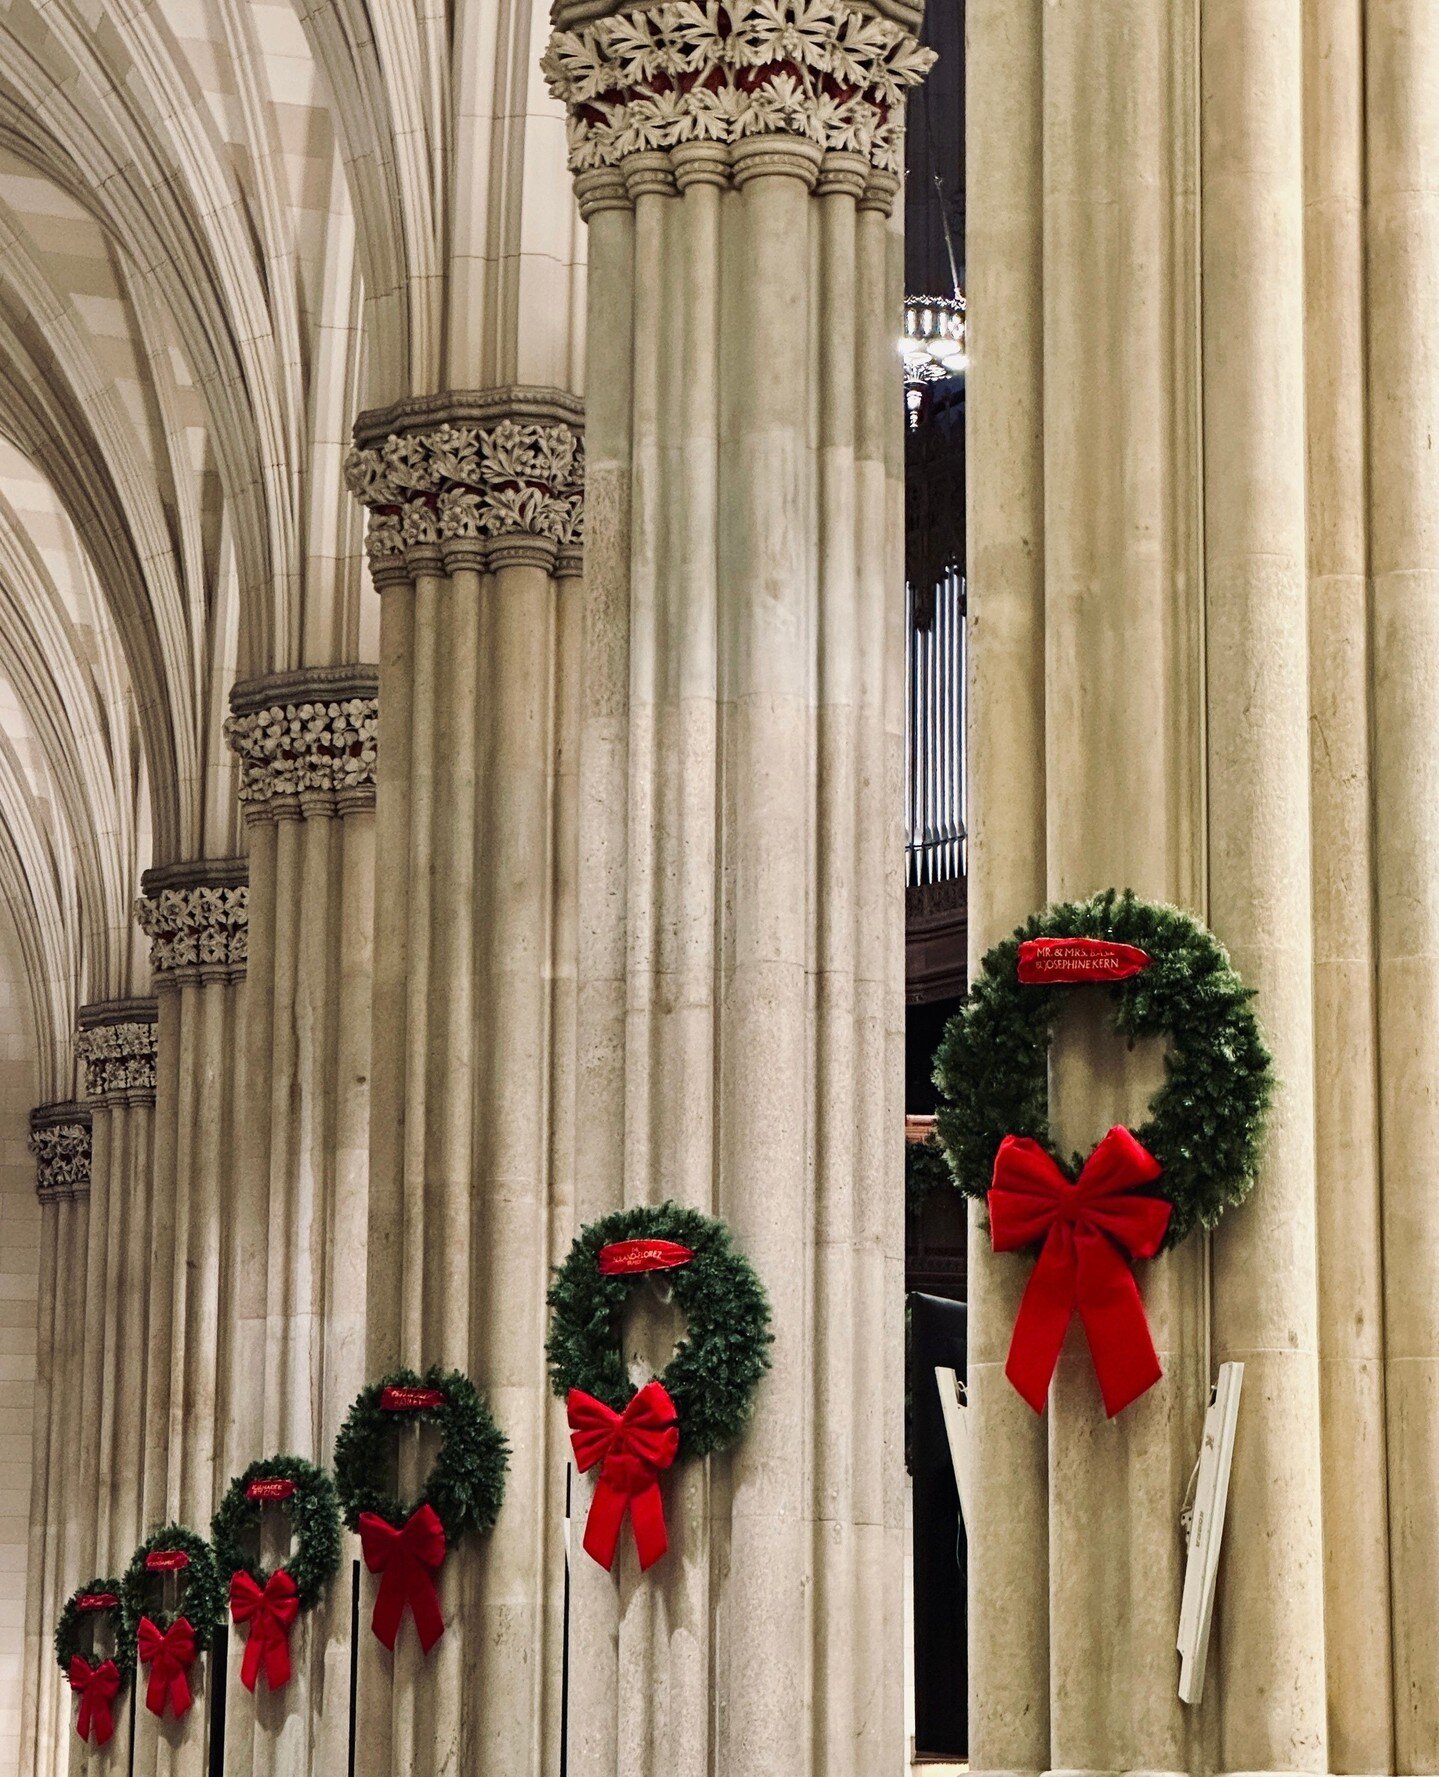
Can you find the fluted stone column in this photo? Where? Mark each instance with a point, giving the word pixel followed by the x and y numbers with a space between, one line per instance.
pixel 741 954
pixel 1399 69
pixel 1277 348
pixel 195 916
pixel 306 745
pixel 61 1518
pixel 117 1044
pixel 475 504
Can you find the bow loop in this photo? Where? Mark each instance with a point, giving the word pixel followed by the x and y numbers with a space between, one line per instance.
pixel 631 1449
pixel 1089 1228
pixel 271 1612
pixel 169 1653
pixel 97 1688
pixel 405 1557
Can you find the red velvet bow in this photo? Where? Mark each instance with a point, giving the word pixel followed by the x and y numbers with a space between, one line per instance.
pixel 405 1558
pixel 1090 1230
pixel 169 1653
pixel 632 1447
pixel 271 1614
pixel 97 1688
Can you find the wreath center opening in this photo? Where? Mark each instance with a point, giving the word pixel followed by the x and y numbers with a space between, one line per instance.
pixel 652 1324
pixel 415 1450
pixel 1097 1076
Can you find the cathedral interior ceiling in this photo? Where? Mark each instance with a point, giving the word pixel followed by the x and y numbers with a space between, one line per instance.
pixel 226 227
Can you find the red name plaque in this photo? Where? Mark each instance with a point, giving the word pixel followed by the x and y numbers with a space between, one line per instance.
pixel 270 1487
pixel 97 1601
pixel 1050 962
pixel 410 1400
pixel 627 1256
pixel 166 1560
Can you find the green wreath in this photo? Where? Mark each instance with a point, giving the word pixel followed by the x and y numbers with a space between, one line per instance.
pixel 1206 1122
pixel 68 1639
pixel 314 1515
pixel 716 1367
pixel 466 1486
pixel 202 1598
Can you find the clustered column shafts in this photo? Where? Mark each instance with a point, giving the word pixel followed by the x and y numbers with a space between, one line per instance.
pixel 306 743
pixel 741 969
pixel 61 1522
pixel 474 535
pixel 197 919
pixel 1210 507
pixel 93 1169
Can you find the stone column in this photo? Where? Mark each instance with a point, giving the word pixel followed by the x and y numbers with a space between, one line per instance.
pixel 741 936
pixel 117 1047
pixel 195 916
pixel 61 1540
pixel 475 505
pixel 306 745
pixel 1143 169
pixel 1400 68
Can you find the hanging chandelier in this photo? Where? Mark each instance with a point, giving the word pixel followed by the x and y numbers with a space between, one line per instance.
pixel 932 346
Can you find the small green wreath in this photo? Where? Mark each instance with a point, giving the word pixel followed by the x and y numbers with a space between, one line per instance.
pixel 314 1515
pixel 466 1486
pixel 1205 1124
pixel 202 1597
pixel 716 1367
pixel 68 1637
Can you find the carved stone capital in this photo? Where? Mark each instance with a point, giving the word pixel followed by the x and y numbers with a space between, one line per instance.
pixel 306 741
pixel 60 1142
pixel 450 480
pixel 642 79
pixel 117 1041
pixel 196 917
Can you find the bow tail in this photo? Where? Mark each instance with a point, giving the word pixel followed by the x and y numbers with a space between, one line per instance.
pixel 602 1526
pixel 389 1607
pixel 268 1646
pixel 1120 1342
pixel 647 1518
pixel 407 1584
pixel 168 1686
pixel 1043 1319
pixel 95 1713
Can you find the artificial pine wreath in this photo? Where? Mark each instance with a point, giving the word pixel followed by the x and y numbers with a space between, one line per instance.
pixel 466 1486
pixel 717 1365
pixel 314 1515
pixel 267 1605
pixel 406 1543
pixel 202 1595
pixel 98 1600
pixel 700 1403
pixel 1206 1122
pixel 167 1643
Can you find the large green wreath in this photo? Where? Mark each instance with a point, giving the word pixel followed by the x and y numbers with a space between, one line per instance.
pixel 717 1365
pixel 466 1486
pixel 314 1515
pixel 1205 1123
pixel 67 1630
pixel 202 1598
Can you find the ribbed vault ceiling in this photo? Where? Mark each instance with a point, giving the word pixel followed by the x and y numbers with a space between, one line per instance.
pixel 225 227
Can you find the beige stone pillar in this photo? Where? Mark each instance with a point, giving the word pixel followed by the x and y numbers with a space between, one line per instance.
pixel 1347 1164
pixel 1401 98
pixel 60 1520
pixel 740 987
pixel 1137 527
pixel 117 1047
pixel 297 1265
pixel 195 916
pixel 474 527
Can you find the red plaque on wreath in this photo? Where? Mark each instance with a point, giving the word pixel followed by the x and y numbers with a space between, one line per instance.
pixel 1053 962
pixel 410 1400
pixel 166 1560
